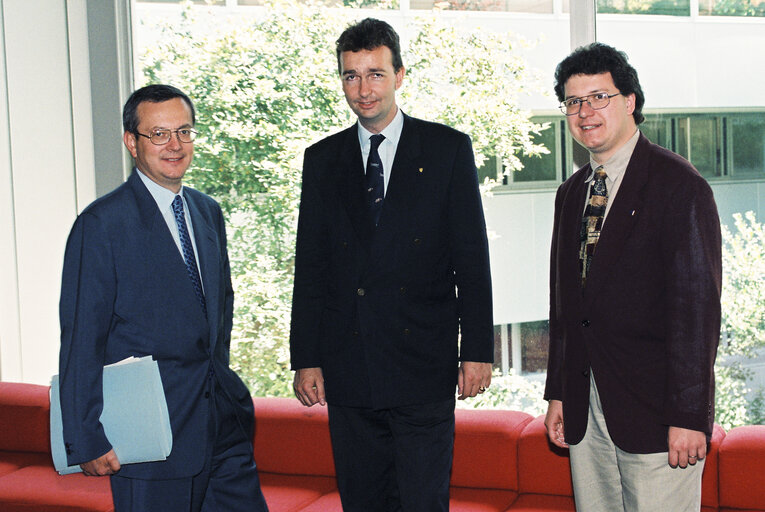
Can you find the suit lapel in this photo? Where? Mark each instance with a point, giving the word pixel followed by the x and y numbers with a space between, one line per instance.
pixel 159 248
pixel 209 262
pixel 569 242
pixel 350 186
pixel 622 217
pixel 402 189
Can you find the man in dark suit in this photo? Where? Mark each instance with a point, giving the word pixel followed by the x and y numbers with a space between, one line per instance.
pixel 634 302
pixel 391 264
pixel 146 273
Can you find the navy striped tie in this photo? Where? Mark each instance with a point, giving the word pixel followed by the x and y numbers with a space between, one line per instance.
pixel 188 252
pixel 375 178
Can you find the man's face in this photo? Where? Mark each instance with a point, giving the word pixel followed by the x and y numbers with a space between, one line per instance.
pixel 369 84
pixel 602 131
pixel 165 164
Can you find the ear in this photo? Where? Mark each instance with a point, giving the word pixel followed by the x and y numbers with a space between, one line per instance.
pixel 130 142
pixel 400 76
pixel 630 101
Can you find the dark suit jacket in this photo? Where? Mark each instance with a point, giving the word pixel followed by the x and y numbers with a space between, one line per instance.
pixel 648 322
pixel 125 292
pixel 379 309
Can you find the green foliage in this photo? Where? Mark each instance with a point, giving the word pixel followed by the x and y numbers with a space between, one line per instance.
pixel 473 80
pixel 509 392
pixel 736 8
pixel 665 7
pixel 265 86
pixel 743 321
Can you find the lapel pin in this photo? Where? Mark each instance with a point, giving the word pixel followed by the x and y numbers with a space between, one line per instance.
pixel 420 169
pixel 633 213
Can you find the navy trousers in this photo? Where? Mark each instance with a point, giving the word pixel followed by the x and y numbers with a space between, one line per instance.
pixel 229 481
pixel 395 459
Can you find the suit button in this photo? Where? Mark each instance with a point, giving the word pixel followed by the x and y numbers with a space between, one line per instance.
pixel 406 332
pixel 207 394
pixel 345 245
pixel 417 241
pixel 586 373
pixel 355 333
pixel 402 290
pixel 585 323
pixel 360 292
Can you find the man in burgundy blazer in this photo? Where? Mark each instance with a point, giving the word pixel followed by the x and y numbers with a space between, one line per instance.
pixel 630 379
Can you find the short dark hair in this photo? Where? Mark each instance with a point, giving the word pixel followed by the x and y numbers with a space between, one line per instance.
pixel 369 34
pixel 156 93
pixel 597 58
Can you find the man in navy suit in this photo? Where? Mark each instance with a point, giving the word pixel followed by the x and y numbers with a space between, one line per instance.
pixel 146 273
pixel 634 302
pixel 391 267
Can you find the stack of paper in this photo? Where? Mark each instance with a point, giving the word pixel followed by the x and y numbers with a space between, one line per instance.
pixel 135 417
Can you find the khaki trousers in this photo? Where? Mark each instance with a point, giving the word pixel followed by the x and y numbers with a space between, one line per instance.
pixel 607 479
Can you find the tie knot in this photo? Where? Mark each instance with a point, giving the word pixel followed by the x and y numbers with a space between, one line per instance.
pixel 376 140
pixel 600 173
pixel 178 204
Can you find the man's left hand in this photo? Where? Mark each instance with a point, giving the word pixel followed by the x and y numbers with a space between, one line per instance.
pixel 686 446
pixel 473 378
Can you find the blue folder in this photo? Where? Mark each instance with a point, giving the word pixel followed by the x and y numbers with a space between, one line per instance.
pixel 134 417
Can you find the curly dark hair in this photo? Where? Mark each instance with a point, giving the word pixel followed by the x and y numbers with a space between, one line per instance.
pixel 156 93
pixel 597 58
pixel 369 34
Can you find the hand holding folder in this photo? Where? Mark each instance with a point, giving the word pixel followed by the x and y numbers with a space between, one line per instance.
pixel 135 417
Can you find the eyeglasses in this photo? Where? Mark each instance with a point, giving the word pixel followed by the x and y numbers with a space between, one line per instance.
pixel 596 101
pixel 160 136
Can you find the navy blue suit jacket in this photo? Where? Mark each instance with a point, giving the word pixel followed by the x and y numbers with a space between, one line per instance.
pixel 648 321
pixel 380 309
pixel 125 292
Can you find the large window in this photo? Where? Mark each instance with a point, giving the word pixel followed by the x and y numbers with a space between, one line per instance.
pixel 721 145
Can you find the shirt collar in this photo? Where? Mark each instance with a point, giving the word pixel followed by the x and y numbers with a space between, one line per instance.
pixel 617 164
pixel 162 196
pixel 392 132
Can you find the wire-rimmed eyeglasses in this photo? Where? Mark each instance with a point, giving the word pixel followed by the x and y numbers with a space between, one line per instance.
pixel 597 101
pixel 161 136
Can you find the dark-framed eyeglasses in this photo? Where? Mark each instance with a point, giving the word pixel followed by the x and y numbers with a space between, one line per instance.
pixel 161 136
pixel 597 101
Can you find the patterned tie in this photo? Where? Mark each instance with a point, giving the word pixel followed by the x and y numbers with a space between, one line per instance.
pixel 592 221
pixel 375 178
pixel 188 252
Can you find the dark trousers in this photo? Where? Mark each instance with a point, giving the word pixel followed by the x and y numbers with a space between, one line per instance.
pixel 228 482
pixel 395 459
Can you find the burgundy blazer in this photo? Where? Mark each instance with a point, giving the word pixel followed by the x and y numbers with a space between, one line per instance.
pixel 648 323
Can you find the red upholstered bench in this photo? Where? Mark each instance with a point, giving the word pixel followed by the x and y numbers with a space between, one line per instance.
pixel 27 479
pixel 294 456
pixel 502 462
pixel 742 470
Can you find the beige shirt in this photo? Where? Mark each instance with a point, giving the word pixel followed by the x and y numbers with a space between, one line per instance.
pixel 615 168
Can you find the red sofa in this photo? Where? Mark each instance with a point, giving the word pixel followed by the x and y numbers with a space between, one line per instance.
pixel 502 462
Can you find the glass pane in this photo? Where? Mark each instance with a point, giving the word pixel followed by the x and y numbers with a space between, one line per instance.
pixel 656 128
pixel 535 337
pixel 531 6
pixel 747 136
pixel 664 7
pixel 489 170
pixel 705 146
pixel 542 167
pixel 731 8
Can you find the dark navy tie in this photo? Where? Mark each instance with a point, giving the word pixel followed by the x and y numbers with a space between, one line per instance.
pixel 375 178
pixel 188 251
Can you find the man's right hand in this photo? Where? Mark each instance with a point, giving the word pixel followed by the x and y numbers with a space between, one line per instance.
pixel 554 423
pixel 309 386
pixel 107 464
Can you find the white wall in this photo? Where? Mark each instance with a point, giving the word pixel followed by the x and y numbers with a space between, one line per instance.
pixel 47 170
